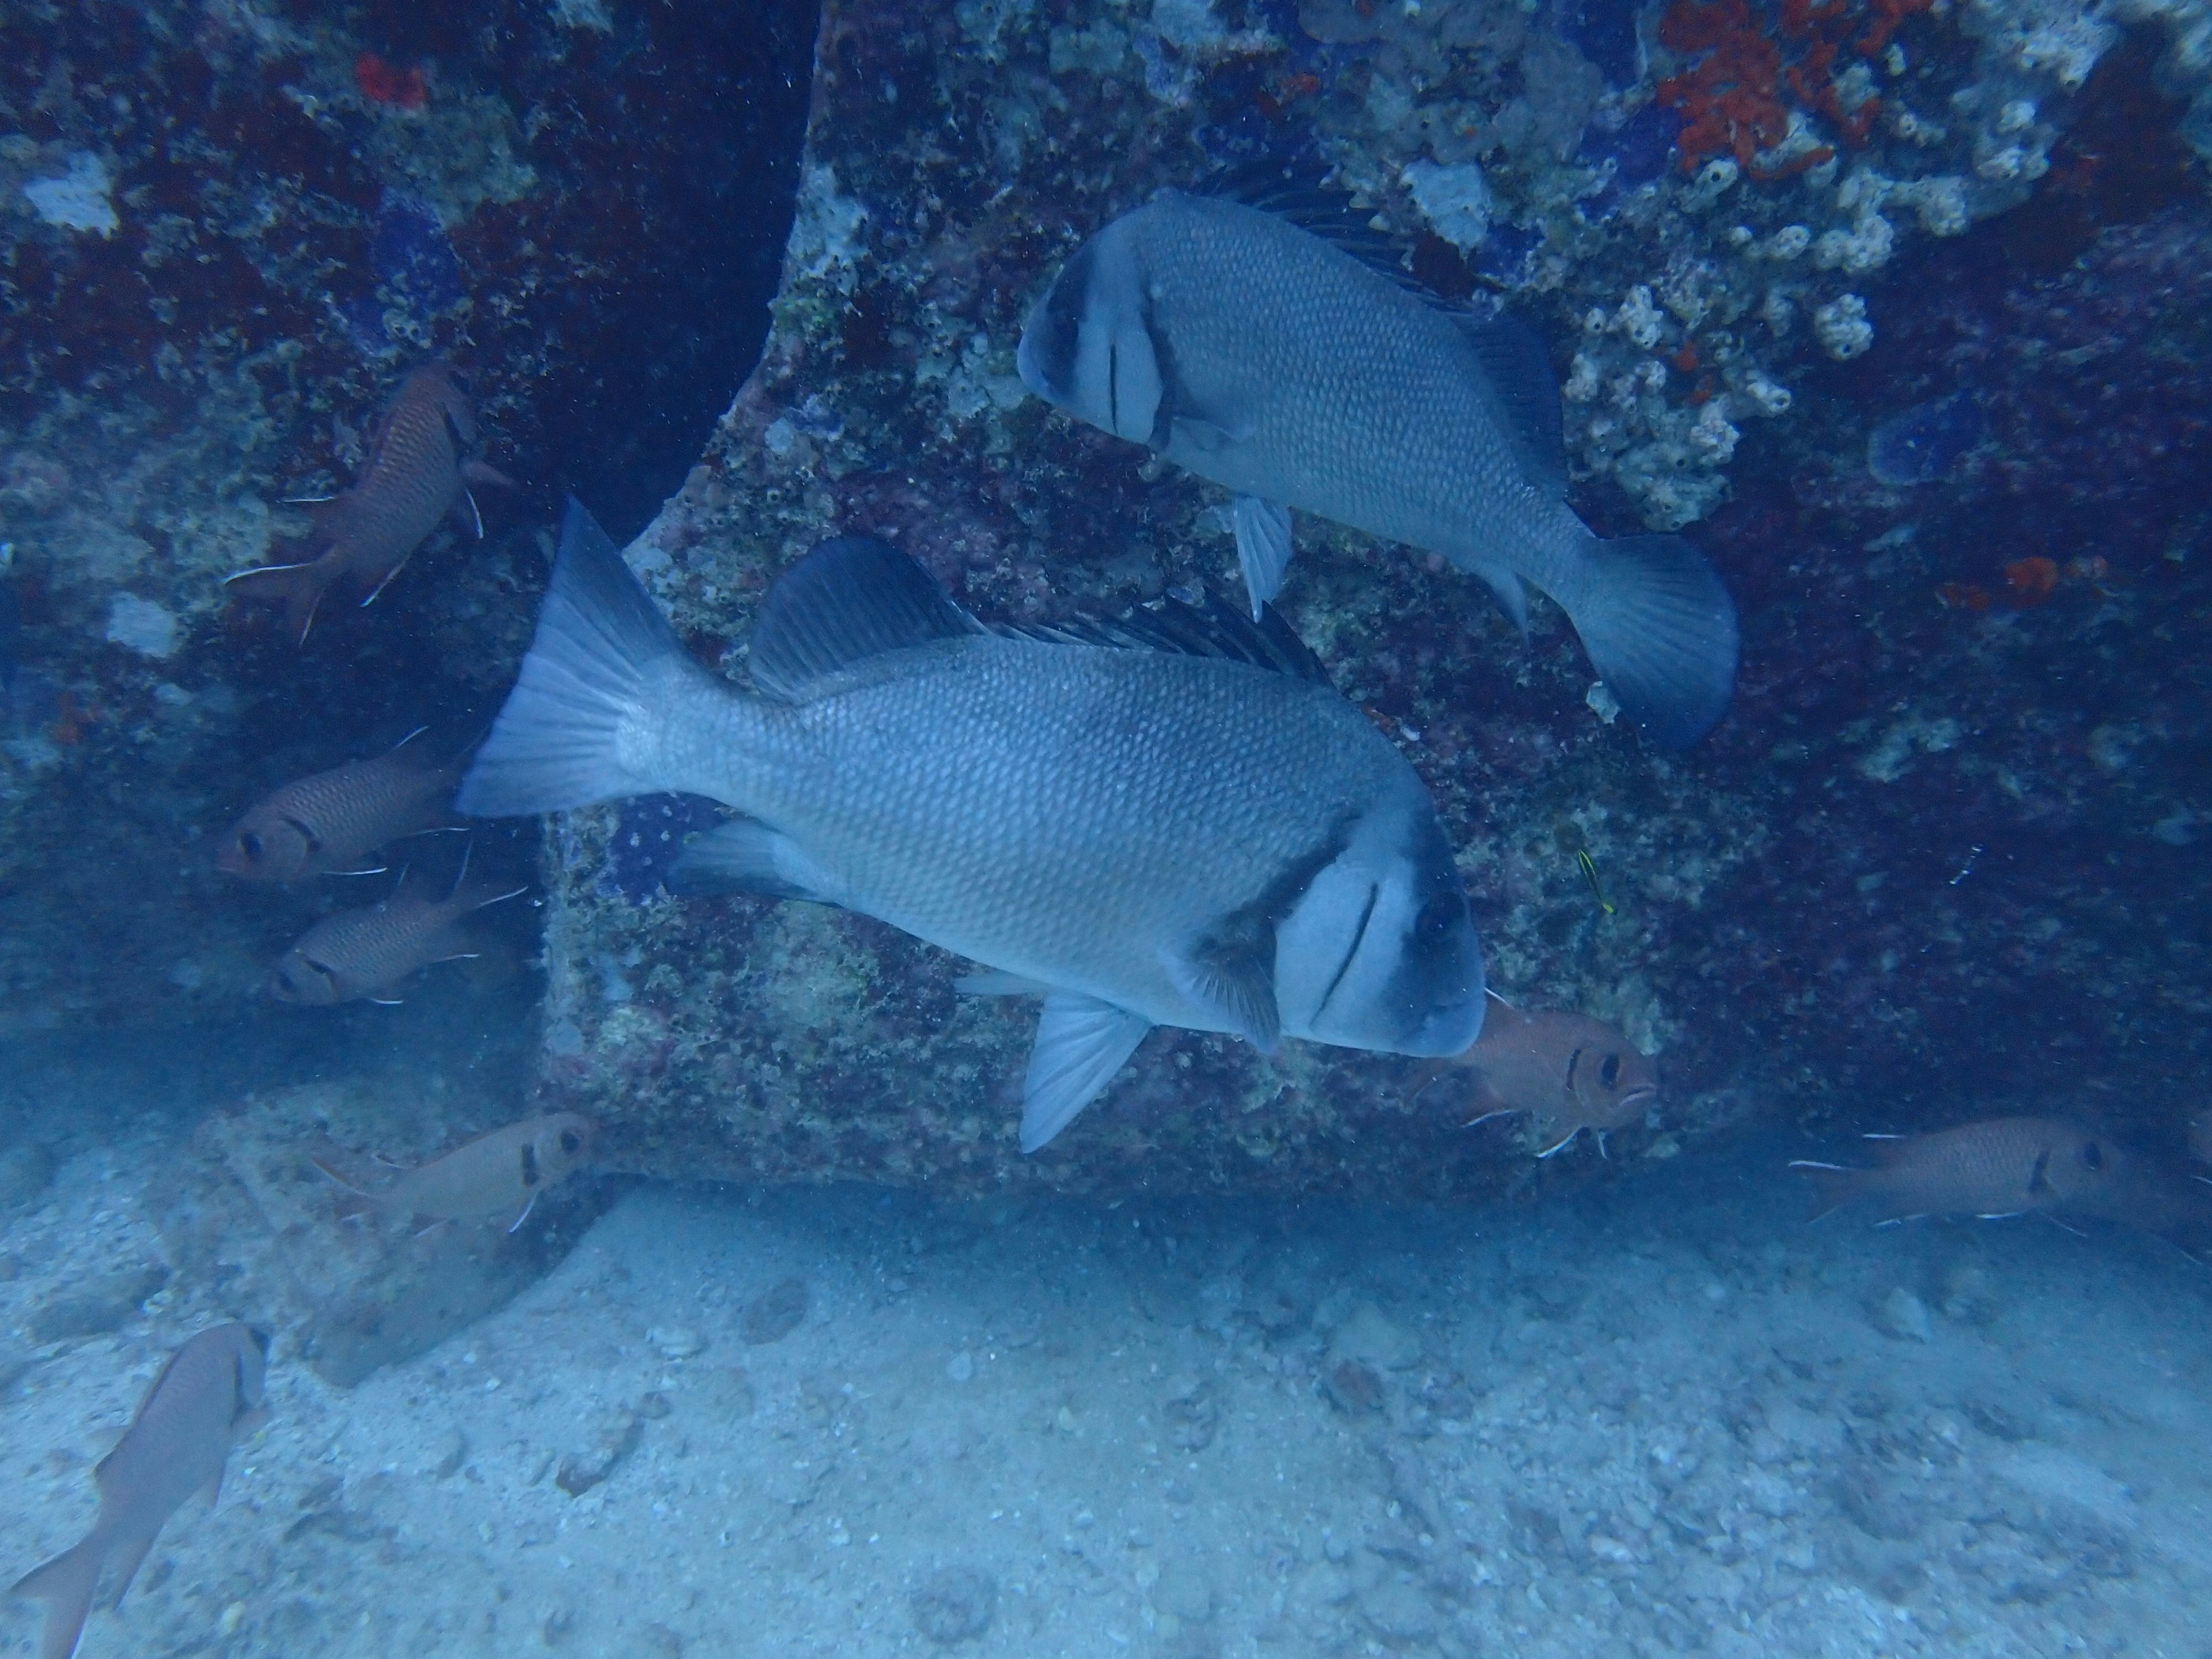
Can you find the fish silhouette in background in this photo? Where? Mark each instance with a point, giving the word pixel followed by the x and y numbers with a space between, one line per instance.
pixel 419 469
pixel 324 825
pixel 207 1399
pixel 2000 1166
pixel 363 954
pixel 1170 819
pixel 498 1174
pixel 1566 1072
pixel 1254 352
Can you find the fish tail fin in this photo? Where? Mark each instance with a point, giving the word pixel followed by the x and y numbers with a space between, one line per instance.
pixel 1833 1185
pixel 584 703
pixel 67 1584
pixel 297 589
pixel 1661 630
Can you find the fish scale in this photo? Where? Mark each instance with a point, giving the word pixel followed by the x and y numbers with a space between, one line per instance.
pixel 1454 482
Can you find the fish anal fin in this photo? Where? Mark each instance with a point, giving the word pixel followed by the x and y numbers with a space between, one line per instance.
pixel 848 601
pixel 1510 592
pixel 1081 1043
pixel 1833 1185
pixel 529 1204
pixel 1517 366
pixel 296 589
pixel 1661 630
pixel 746 856
pixel 1263 548
pixel 465 514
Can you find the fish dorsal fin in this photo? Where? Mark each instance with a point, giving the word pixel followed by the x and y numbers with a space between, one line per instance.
pixel 848 601
pixel 1296 195
pixel 1518 366
pixel 1209 630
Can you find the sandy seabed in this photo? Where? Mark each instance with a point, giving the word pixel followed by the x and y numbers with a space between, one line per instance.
pixel 1657 1415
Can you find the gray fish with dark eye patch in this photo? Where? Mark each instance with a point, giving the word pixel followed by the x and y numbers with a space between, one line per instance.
pixel 1172 819
pixel 2001 1166
pixel 1264 357
pixel 357 955
pixel 502 1173
pixel 1566 1072
pixel 325 824
pixel 419 469
pixel 207 1399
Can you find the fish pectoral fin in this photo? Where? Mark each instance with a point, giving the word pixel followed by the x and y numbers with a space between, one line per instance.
pixel 997 982
pixel 1263 547
pixel 746 856
pixel 466 514
pixel 1230 974
pixel 1511 593
pixel 1502 1111
pixel 476 473
pixel 1081 1043
pixel 388 1002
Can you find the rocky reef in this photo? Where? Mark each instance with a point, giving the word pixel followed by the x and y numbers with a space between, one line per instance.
pixel 1940 854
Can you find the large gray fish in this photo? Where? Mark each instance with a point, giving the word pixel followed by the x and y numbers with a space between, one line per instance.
pixel 207 1398
pixel 419 469
pixel 1265 357
pixel 1170 820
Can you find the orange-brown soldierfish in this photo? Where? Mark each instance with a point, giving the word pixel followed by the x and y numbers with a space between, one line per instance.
pixel 1569 1073
pixel 365 953
pixel 324 825
pixel 2000 1166
pixel 207 1398
pixel 419 469
pixel 495 1174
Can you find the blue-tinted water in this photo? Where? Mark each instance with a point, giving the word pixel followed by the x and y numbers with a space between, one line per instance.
pixel 1901 326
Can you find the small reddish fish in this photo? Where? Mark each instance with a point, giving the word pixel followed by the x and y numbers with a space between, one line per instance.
pixel 419 470
pixel 357 954
pixel 323 825
pixel 2001 1166
pixel 1569 1073
pixel 495 1174
pixel 207 1399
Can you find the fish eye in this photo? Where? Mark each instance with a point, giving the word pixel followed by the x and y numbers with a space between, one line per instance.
pixel 1609 1073
pixel 2093 1155
pixel 570 1141
pixel 250 844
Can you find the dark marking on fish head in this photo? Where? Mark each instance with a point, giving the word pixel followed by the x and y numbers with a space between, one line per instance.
pixel 265 846
pixel 530 1176
pixel 1089 346
pixel 1375 951
pixel 1611 1083
pixel 306 981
